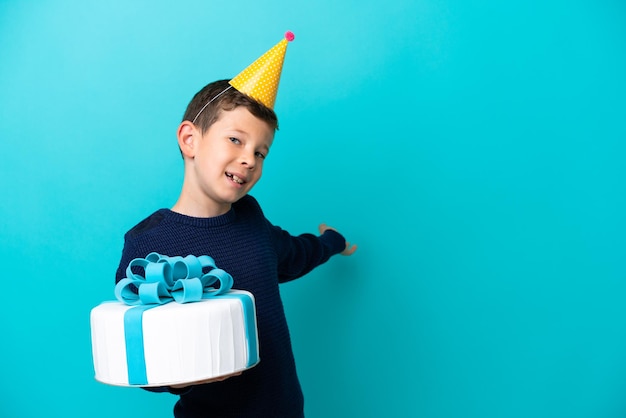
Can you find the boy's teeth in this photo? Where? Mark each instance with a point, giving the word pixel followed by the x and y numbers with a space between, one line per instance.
pixel 235 178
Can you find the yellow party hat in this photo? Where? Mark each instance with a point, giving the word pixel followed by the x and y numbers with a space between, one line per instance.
pixel 260 79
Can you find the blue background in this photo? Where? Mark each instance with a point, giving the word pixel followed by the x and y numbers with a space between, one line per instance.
pixel 474 151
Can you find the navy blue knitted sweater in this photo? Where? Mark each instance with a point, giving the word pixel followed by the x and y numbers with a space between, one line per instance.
pixel 259 256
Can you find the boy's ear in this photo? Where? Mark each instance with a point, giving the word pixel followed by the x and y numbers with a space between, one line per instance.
pixel 187 135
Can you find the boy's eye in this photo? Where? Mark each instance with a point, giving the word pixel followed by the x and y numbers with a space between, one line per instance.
pixel 234 140
pixel 260 155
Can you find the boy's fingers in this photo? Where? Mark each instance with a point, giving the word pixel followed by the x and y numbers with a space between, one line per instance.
pixel 350 249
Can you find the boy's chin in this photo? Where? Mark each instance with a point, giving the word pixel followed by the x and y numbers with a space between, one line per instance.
pixel 236 198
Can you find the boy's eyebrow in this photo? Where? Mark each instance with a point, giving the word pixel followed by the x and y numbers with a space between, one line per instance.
pixel 265 147
pixel 241 131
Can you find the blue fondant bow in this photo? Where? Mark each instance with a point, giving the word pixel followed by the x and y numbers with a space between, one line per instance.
pixel 167 279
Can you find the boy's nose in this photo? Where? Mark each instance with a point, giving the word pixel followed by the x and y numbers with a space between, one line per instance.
pixel 248 160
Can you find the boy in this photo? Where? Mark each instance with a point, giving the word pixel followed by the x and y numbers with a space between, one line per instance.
pixel 224 139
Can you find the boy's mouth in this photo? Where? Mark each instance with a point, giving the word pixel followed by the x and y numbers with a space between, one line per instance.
pixel 234 178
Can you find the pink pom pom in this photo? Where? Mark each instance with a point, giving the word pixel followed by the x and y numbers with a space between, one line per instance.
pixel 290 36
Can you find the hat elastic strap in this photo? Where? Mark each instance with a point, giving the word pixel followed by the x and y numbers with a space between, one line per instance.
pixel 209 102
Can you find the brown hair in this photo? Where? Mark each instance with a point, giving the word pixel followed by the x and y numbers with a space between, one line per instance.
pixel 207 104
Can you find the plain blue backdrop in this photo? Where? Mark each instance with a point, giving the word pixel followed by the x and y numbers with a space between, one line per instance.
pixel 474 151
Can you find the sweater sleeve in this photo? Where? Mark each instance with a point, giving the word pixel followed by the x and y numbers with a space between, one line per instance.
pixel 298 255
pixel 128 254
pixel 132 248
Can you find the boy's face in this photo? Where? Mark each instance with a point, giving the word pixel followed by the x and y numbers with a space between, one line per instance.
pixel 228 158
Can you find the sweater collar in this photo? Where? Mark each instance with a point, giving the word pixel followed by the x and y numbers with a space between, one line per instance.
pixel 215 221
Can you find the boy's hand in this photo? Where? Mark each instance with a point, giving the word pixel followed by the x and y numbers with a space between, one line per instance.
pixel 349 250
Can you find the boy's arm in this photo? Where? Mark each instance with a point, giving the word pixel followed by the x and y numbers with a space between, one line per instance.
pixel 298 255
pixel 129 252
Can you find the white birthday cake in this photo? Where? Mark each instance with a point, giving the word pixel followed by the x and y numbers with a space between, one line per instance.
pixel 202 333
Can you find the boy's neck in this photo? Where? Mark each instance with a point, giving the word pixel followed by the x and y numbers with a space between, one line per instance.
pixel 195 209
